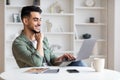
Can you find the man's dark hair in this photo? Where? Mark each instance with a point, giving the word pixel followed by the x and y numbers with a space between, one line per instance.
pixel 28 9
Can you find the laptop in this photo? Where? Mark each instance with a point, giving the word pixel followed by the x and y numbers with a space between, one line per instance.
pixel 85 50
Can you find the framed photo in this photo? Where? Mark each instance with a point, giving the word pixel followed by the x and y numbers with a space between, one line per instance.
pixel 16 18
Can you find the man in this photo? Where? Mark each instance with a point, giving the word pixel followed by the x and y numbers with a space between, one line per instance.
pixel 26 53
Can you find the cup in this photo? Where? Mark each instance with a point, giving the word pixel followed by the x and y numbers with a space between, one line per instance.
pixel 98 64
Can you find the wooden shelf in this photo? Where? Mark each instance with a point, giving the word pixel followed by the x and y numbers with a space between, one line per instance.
pixel 11 6
pixel 12 23
pixel 90 8
pixel 98 40
pixel 58 14
pixel 90 24
pixel 58 33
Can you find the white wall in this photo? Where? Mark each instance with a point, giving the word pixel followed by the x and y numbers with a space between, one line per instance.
pixel 1 38
pixel 117 35
pixel 114 34
pixel 111 34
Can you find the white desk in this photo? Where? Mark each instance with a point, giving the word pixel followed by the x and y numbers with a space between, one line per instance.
pixel 86 73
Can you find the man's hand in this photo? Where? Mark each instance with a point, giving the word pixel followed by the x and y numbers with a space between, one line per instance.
pixel 66 56
pixel 39 38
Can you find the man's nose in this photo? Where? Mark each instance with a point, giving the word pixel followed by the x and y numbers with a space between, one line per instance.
pixel 39 22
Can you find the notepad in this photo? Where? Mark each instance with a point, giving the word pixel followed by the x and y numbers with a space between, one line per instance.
pixel 41 70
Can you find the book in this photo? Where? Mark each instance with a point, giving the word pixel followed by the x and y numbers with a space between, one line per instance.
pixel 41 70
pixel 36 70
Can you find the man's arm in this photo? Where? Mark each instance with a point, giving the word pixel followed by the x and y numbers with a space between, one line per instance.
pixel 54 60
pixel 39 39
pixel 26 54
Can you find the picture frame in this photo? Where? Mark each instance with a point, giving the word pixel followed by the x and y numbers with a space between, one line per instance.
pixel 16 18
pixel 36 2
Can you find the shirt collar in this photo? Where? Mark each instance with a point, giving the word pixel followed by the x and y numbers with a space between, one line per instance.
pixel 23 36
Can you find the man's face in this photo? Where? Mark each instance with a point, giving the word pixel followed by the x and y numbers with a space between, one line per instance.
pixel 34 22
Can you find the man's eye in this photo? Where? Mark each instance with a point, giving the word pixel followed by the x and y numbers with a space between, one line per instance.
pixel 35 19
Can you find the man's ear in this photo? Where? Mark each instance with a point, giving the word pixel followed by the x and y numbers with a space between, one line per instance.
pixel 25 20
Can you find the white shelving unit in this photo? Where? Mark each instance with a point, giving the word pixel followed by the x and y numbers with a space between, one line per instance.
pixel 66 18
pixel 97 29
pixel 62 32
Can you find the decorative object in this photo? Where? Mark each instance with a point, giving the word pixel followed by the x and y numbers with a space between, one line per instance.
pixel 16 17
pixel 49 25
pixel 76 34
pixel 86 36
pixel 58 29
pixel 36 2
pixel 91 19
pixel 56 8
pixel 55 47
pixel 89 3
pixel 61 11
pixel 52 7
pixel 7 2
pixel 61 28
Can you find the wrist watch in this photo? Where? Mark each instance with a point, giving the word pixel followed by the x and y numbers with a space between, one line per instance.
pixel 90 3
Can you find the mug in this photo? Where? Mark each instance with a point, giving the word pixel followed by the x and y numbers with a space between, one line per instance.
pixel 98 64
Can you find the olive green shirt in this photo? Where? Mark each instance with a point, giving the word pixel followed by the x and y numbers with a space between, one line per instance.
pixel 27 56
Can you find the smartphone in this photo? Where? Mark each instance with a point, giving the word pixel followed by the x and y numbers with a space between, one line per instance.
pixel 72 71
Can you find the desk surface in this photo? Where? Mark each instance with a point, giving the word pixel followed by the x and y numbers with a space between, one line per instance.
pixel 86 73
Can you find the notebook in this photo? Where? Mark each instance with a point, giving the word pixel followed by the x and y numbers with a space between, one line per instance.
pixel 41 70
pixel 85 50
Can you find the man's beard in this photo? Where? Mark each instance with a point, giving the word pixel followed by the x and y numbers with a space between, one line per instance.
pixel 35 31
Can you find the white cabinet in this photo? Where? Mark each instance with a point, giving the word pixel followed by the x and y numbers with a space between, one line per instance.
pixel 97 29
pixel 61 20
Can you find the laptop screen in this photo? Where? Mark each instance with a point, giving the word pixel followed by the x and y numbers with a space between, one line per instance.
pixel 86 49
